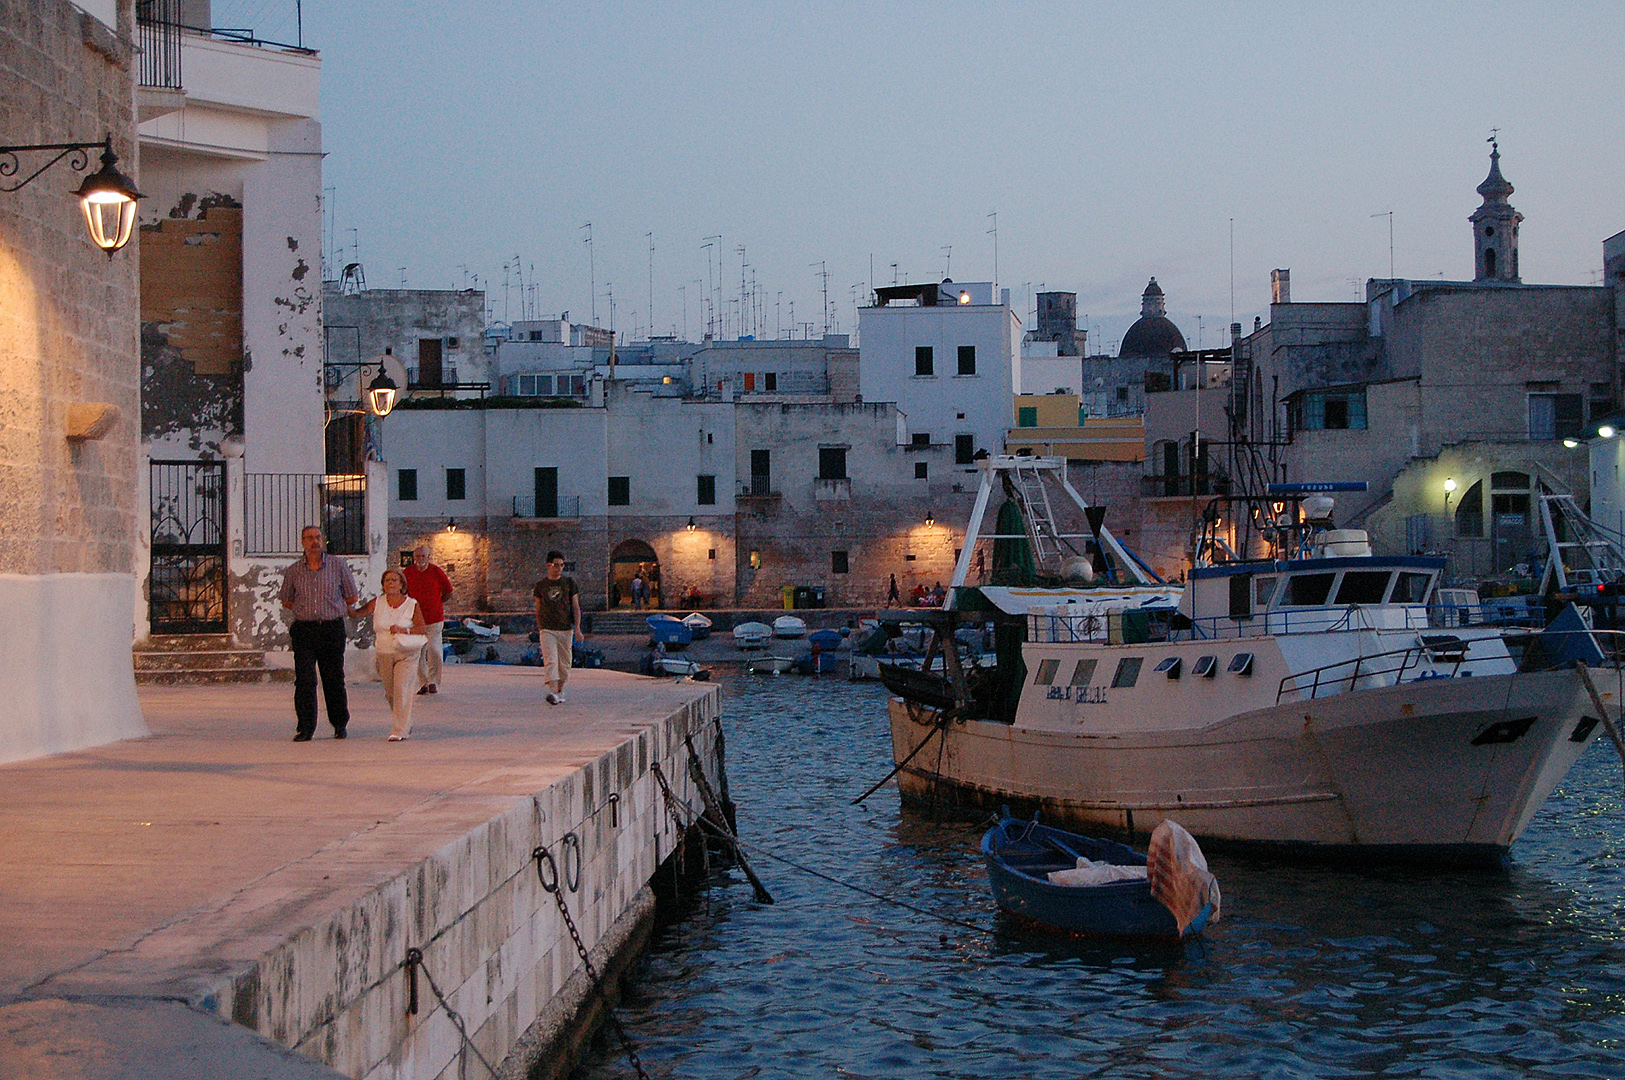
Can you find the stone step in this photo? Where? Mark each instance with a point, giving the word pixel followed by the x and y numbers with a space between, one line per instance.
pixel 214 676
pixel 153 660
pixel 186 643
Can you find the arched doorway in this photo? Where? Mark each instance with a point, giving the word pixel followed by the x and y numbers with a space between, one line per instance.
pixel 630 559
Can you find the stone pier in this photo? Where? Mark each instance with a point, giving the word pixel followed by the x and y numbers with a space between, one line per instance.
pixel 216 871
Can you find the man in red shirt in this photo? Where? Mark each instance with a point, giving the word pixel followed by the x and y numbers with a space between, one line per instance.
pixel 431 588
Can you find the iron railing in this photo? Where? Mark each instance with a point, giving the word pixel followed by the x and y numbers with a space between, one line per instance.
pixel 278 506
pixel 158 40
pixel 565 506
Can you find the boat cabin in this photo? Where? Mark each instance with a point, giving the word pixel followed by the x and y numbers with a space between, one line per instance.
pixel 1247 599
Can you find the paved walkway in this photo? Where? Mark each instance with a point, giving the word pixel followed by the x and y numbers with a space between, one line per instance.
pixel 108 849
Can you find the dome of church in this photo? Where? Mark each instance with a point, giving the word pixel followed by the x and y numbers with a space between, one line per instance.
pixel 1153 333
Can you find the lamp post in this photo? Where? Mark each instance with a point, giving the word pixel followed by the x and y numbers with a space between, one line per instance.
pixel 107 196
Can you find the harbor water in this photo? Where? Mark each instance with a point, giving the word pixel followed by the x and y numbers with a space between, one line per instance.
pixel 1314 971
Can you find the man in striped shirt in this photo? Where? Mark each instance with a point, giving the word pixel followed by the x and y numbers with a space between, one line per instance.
pixel 319 592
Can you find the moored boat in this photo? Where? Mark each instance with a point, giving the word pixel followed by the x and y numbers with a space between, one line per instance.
pixel 1086 885
pixel 789 626
pixel 1304 701
pixel 671 632
pixel 698 625
pixel 752 635
pixel 769 665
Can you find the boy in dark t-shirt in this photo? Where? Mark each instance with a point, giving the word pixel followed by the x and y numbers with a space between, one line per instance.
pixel 558 624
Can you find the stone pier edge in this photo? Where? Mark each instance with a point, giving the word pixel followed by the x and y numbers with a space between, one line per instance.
pixel 492 938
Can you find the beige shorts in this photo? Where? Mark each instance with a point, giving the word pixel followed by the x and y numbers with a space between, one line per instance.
pixel 556 654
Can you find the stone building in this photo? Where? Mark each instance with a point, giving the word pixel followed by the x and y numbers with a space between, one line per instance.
pixel 1451 400
pixel 234 413
pixel 69 400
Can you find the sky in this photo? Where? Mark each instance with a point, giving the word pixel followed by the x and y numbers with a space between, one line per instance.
pixel 1201 143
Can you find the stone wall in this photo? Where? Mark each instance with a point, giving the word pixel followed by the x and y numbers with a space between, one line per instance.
pixel 69 347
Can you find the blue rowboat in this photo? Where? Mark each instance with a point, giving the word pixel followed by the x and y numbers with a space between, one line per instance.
pixel 1021 855
pixel 670 632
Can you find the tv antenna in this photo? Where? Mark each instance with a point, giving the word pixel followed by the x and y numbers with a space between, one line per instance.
pixel 592 274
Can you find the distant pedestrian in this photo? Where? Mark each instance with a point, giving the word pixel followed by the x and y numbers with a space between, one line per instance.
pixel 893 597
pixel 637 591
pixel 431 588
pixel 558 624
pixel 396 618
pixel 319 591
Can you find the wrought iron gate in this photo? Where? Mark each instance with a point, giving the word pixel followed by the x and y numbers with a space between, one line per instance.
pixel 187 588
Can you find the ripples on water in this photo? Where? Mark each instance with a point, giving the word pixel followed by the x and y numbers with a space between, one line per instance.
pixel 1312 972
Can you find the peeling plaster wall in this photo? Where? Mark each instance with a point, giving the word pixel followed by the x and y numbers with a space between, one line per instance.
pixel 362 325
pixel 69 320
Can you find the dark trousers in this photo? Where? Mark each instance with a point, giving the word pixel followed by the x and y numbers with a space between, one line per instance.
pixel 319 646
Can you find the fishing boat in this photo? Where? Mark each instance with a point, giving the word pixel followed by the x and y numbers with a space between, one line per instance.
pixel 789 626
pixel 661 664
pixel 1086 885
pixel 769 665
pixel 752 635
pixel 672 633
pixel 699 627
pixel 1302 700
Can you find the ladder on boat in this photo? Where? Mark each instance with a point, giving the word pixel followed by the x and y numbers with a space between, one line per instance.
pixel 1576 546
pixel 1028 478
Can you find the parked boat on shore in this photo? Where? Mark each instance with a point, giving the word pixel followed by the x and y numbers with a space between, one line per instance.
pixel 752 635
pixel 789 626
pixel 1303 701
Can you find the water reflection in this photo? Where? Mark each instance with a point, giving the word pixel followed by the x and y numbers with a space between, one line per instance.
pixel 1315 970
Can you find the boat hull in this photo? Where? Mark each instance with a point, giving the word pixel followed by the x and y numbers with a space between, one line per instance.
pixel 1451 768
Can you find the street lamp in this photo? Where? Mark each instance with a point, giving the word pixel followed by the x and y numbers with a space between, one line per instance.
pixel 381 393
pixel 107 196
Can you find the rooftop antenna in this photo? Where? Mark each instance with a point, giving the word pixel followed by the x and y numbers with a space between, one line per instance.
pixel 403 277
pixel 1232 269
pixel 948 261
pixel 1389 214
pixel 995 233
pixel 651 237
pixel 592 274
pixel 712 296
pixel 740 251
pixel 823 272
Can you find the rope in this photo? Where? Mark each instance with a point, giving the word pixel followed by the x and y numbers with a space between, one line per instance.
pixel 949 919
pixel 414 964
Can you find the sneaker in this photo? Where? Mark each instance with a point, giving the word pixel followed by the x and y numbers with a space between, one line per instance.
pixel 553 699
pixel 559 699
pixel 397 738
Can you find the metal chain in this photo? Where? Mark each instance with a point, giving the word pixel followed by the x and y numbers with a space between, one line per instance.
pixel 680 852
pixel 543 856
pixel 414 964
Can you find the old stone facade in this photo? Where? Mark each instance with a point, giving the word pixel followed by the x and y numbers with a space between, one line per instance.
pixel 69 348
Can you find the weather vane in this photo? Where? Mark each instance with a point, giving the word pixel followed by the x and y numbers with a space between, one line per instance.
pixel 1492 140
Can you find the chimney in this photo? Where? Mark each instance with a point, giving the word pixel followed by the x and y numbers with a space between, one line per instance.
pixel 1280 286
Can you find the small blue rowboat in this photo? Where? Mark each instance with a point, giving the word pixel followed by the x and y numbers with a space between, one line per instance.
pixel 1021 856
pixel 670 632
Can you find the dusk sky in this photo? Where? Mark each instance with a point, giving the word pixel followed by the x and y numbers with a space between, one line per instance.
pixel 1114 142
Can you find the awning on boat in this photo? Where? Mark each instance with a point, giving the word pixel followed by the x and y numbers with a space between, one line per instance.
pixel 1014 600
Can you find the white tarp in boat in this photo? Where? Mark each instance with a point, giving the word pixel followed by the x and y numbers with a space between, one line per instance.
pixel 1013 600
pixel 1090 872
pixel 1179 875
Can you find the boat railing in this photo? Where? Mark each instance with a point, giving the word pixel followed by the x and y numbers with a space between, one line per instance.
pixel 1315 620
pixel 1117 627
pixel 1447 658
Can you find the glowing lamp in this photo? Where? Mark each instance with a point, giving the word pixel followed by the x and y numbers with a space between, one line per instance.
pixel 1450 484
pixel 381 393
pixel 1606 431
pixel 108 198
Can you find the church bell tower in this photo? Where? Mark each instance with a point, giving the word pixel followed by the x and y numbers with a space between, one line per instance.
pixel 1495 227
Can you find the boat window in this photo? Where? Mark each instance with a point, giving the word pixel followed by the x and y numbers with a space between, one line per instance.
pixel 1308 590
pixel 1046 672
pixel 1363 587
pixel 1205 667
pixel 1084 672
pixel 1128 671
pixel 1412 588
pixel 1171 666
pixel 1241 664
pixel 1263 591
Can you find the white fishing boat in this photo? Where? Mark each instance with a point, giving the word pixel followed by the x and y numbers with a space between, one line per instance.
pixel 789 626
pixel 752 635
pixel 769 665
pixel 679 665
pixel 1301 701
pixel 699 627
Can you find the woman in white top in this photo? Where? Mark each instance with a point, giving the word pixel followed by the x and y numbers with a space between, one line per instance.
pixel 395 615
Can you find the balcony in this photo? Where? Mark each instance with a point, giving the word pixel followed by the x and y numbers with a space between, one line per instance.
pixel 832 490
pixel 562 508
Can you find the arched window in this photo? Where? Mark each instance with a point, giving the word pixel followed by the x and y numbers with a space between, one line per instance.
pixel 1470 511
pixel 1489 262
